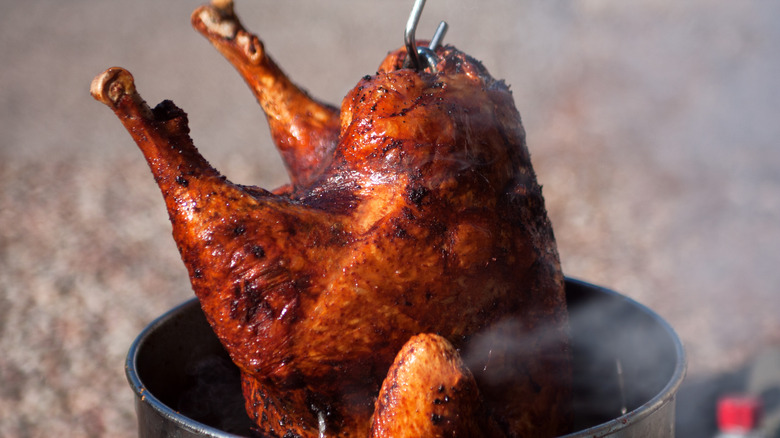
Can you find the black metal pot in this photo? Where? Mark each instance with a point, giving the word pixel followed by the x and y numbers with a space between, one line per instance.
pixel 628 365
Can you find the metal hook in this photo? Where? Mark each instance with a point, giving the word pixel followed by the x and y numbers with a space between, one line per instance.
pixel 417 55
pixel 411 28
pixel 429 57
pixel 438 36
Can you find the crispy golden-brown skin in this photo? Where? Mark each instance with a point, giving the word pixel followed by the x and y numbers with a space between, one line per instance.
pixel 414 209
pixel 429 392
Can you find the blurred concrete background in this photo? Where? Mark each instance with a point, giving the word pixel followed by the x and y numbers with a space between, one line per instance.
pixel 653 126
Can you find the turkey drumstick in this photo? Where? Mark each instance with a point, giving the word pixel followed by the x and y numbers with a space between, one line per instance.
pixel 304 130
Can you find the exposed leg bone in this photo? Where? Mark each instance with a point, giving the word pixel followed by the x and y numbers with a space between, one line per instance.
pixel 162 134
pixel 305 131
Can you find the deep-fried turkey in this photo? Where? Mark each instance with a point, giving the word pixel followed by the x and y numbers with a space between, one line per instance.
pixel 414 210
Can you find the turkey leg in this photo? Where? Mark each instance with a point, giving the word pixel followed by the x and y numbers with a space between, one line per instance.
pixel 304 130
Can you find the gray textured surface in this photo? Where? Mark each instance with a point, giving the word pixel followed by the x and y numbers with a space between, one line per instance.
pixel 653 126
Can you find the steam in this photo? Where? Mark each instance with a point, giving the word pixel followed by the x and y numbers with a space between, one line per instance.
pixel 623 355
pixel 491 353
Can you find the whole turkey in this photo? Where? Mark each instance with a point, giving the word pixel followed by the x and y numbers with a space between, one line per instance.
pixel 405 283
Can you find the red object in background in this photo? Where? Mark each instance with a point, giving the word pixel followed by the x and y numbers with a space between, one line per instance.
pixel 739 413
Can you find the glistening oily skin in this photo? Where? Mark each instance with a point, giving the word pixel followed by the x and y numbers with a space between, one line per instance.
pixel 413 231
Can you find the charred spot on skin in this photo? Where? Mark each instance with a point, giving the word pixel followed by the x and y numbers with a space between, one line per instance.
pixel 235 303
pixel 393 144
pixel 400 232
pixel 437 228
pixel 197 273
pixel 302 282
pixel 247 302
pixel 256 304
pixel 436 419
pixel 182 181
pixel 408 213
pixel 167 110
pixel 257 251
pixel 239 230
pixel 416 194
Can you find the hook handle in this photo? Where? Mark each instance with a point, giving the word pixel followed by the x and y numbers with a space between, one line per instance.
pixel 411 28
pixel 422 57
pixel 438 36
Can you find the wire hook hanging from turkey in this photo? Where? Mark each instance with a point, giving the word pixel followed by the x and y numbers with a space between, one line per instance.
pixel 421 57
